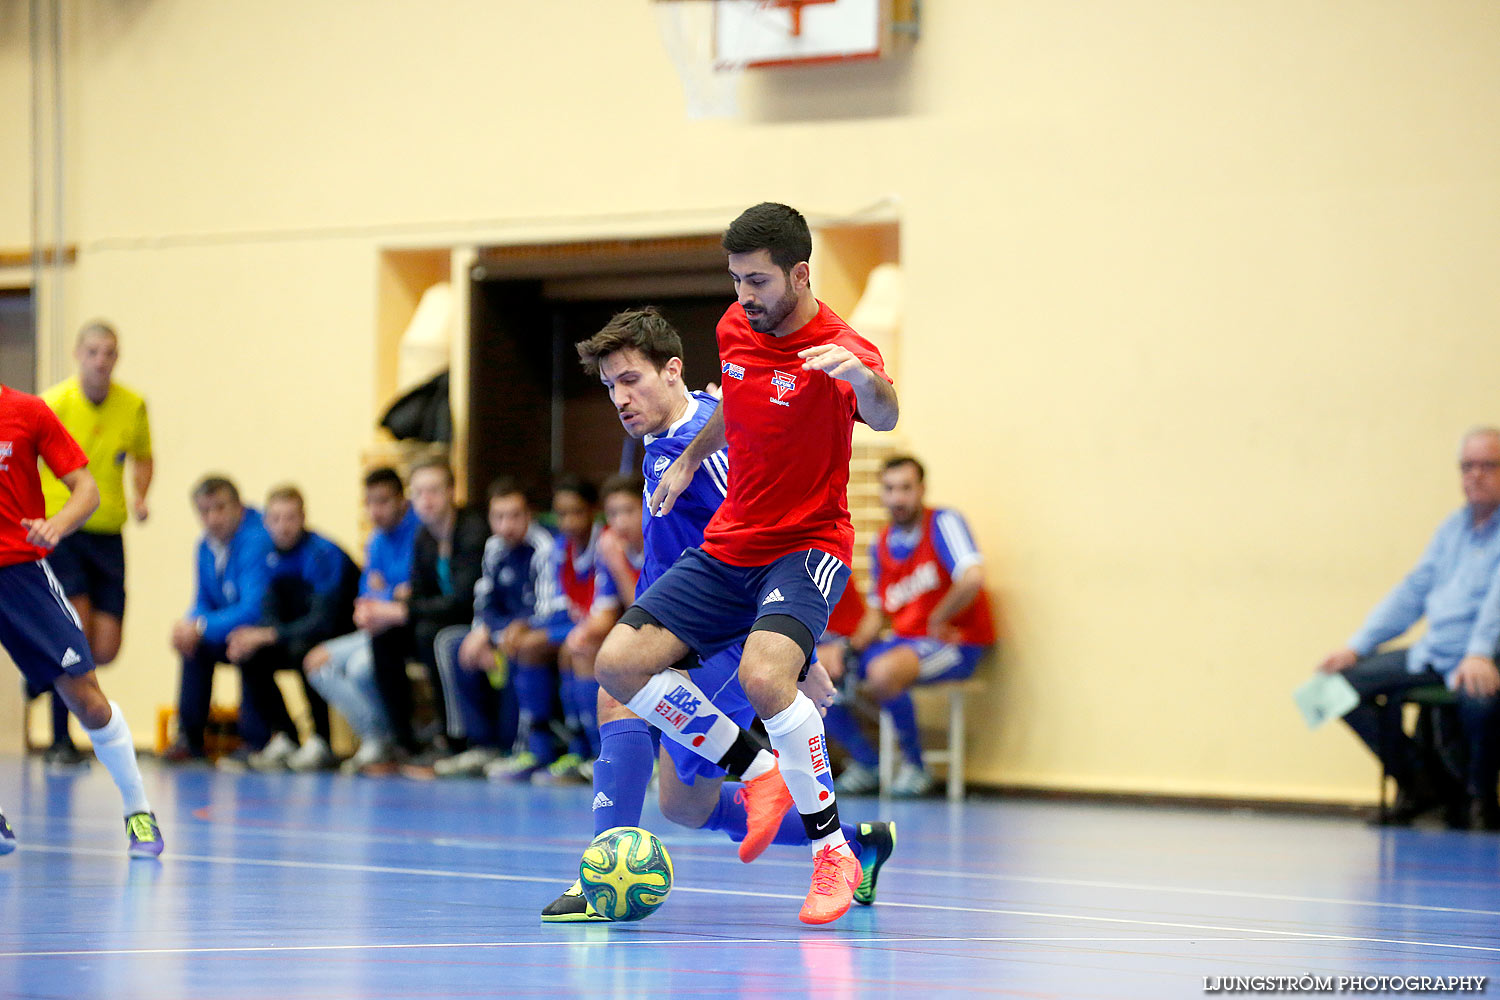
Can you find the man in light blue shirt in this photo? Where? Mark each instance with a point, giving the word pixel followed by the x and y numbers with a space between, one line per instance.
pixel 1456 588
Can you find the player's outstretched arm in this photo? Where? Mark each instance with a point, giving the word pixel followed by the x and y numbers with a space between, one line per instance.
pixel 876 396
pixel 680 473
pixel 83 500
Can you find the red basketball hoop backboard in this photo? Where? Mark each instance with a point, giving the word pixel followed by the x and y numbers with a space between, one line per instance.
pixel 792 32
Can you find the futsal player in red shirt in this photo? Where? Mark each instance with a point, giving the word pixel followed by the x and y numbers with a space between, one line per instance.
pixel 38 627
pixel 776 556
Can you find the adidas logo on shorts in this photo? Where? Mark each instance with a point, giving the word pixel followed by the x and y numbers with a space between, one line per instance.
pixel 70 658
pixel 601 801
pixel 773 597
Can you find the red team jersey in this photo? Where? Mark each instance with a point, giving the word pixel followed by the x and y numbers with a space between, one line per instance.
pixel 846 614
pixel 909 589
pixel 28 430
pixel 789 434
pixel 577 586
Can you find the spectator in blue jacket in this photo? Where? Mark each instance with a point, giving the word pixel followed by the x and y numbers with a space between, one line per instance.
pixel 343 669
pixel 233 578
pixel 310 598
pixel 485 667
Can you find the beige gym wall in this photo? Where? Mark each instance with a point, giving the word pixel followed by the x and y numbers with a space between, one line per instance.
pixel 1197 298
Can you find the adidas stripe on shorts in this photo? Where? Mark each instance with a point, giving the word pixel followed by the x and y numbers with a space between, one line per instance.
pixel 711 605
pixel 38 627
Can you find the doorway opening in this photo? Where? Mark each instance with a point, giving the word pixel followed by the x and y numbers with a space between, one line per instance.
pixel 533 413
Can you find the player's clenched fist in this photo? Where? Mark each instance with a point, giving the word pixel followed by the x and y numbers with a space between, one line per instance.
pixel 41 533
pixel 838 362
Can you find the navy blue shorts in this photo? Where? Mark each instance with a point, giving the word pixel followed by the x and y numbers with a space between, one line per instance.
pixel 93 566
pixel 557 627
pixel 712 605
pixel 39 628
pixel 937 661
pixel 719 678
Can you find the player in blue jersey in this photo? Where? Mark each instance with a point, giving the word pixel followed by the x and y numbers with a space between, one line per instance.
pixel 516 593
pixel 638 358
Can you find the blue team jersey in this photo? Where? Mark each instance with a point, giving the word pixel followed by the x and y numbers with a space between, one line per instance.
pixel 668 537
pixel 519 581
pixel 388 558
pixel 232 579
pixel 314 563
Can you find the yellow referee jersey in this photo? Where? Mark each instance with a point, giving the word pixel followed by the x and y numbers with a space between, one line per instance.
pixel 107 433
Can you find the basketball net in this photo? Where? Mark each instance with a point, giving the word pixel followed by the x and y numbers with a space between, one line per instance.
pixel 710 85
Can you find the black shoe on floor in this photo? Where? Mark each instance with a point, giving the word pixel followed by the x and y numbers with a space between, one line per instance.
pixel 877 841
pixel 182 752
pixel 571 908
pixel 1484 813
pixel 1410 804
pixel 65 756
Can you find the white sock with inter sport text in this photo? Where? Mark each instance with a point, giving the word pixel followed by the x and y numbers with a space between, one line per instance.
pixel 802 751
pixel 673 703
pixel 115 748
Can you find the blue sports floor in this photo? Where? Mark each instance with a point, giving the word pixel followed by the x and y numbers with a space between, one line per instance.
pixel 321 886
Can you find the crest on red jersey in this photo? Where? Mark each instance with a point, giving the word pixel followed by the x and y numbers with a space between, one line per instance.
pixel 783 382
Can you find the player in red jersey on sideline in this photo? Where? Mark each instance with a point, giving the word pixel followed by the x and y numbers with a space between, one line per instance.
pixel 775 558
pixel 927 582
pixel 38 627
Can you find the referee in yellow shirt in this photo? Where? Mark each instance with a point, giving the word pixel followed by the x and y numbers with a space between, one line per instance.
pixel 109 422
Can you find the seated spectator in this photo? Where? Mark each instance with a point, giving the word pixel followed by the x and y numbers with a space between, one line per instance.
pixel 446 560
pixel 575 503
pixel 1456 587
pixel 310 598
pixel 621 551
pixel 343 669
pixel 928 586
pixel 478 676
pixel 534 647
pixel 233 578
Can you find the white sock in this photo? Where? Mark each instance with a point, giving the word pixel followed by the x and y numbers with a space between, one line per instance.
pixel 764 761
pixel 683 713
pixel 115 748
pixel 802 752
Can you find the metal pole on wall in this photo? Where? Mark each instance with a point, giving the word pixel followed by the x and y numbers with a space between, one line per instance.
pixel 57 349
pixel 47 255
pixel 35 25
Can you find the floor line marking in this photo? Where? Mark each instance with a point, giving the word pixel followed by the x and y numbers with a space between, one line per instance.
pixel 1038 914
pixel 292 833
pixel 673 941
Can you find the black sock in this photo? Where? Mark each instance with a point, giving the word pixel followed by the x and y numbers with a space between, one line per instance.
pixel 740 755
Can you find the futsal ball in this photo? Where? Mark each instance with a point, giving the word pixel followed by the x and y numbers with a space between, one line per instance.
pixel 626 873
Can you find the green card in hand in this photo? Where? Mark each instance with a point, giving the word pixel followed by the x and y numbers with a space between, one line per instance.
pixel 1324 697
